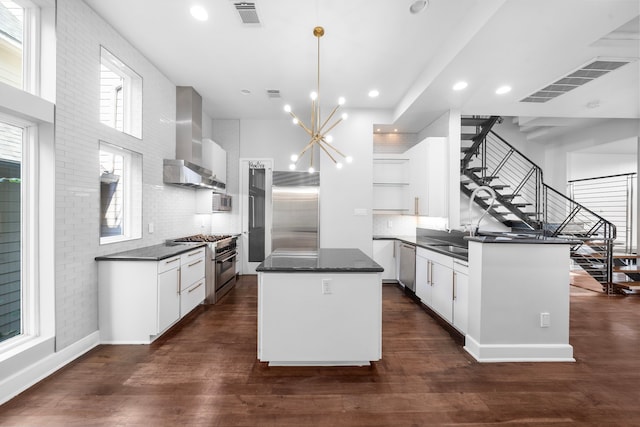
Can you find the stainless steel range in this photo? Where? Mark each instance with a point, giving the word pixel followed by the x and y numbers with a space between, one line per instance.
pixel 221 263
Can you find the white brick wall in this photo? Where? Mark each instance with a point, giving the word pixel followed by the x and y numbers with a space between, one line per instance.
pixel 80 32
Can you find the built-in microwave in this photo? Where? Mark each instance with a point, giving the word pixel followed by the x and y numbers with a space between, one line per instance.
pixel 220 202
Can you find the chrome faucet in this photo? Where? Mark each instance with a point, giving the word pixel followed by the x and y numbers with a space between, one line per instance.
pixel 475 192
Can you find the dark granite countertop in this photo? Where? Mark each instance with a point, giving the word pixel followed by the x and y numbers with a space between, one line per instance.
pixel 519 239
pixel 151 253
pixel 323 260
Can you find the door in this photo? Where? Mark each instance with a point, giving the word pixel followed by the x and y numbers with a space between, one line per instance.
pixel 256 211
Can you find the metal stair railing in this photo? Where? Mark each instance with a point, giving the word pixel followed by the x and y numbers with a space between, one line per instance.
pixel 519 179
pixel 564 217
pixel 520 189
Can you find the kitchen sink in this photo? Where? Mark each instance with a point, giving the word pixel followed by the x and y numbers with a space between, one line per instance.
pixel 454 249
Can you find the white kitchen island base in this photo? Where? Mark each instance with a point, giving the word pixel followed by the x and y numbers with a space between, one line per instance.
pixel 319 318
pixel 519 301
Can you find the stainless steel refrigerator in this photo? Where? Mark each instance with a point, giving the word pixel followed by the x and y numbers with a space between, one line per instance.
pixel 296 211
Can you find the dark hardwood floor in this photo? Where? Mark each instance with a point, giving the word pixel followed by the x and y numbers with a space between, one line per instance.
pixel 204 372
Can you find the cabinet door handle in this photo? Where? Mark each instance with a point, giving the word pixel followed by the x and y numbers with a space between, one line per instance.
pixel 454 285
pixel 416 205
pixel 179 280
pixel 194 263
pixel 195 287
pixel 173 260
pixel 431 272
pixel 194 253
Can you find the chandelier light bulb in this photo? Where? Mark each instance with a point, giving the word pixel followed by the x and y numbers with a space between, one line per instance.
pixel 287 108
pixel 338 165
pixel 314 96
pixel 349 159
pixel 311 169
pixel 294 157
pixel 295 120
pixel 329 139
pixel 292 166
pixel 345 116
pixel 341 100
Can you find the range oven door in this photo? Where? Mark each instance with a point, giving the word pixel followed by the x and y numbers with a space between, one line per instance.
pixel 225 269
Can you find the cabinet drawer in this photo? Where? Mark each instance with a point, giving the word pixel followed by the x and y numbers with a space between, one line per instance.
pixel 191 297
pixel 189 257
pixel 168 264
pixel 191 272
pixel 445 260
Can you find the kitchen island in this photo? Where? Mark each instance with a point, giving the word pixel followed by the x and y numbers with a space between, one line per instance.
pixel 319 308
pixel 518 299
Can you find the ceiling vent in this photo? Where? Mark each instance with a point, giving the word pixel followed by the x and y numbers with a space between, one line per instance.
pixel 591 71
pixel 247 12
pixel 273 94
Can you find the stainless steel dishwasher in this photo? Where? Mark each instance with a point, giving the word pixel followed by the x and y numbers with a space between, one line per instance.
pixel 407 274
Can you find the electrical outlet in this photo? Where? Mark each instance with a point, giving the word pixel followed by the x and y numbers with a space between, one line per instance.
pixel 151 228
pixel 326 286
pixel 389 223
pixel 545 320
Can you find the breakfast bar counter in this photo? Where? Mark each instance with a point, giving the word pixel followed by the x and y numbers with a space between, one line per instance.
pixel 319 308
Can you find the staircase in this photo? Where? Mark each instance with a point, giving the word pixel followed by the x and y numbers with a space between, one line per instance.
pixel 527 205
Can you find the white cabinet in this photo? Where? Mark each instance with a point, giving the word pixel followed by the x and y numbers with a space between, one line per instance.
pixel 192 280
pixel 168 298
pixel 139 300
pixel 214 158
pixel 434 282
pixel 390 183
pixel 423 282
pixel 428 177
pixel 384 254
pixel 460 295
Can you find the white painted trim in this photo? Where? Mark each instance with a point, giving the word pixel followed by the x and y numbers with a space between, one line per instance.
pixel 491 353
pixel 27 377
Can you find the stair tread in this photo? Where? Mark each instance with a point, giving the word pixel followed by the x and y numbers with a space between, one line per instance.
pixel 630 284
pixel 467 136
pixel 473 121
pixel 626 269
pixel 620 256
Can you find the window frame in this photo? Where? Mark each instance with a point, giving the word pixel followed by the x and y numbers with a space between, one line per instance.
pixel 132 84
pixel 131 205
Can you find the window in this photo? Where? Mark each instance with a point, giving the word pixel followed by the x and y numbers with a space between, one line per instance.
pixel 11 224
pixel 120 95
pixel 120 194
pixel 11 35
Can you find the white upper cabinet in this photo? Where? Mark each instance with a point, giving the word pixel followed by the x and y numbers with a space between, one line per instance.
pixel 214 158
pixel 428 178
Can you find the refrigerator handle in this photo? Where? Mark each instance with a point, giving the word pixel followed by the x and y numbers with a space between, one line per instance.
pixel 253 211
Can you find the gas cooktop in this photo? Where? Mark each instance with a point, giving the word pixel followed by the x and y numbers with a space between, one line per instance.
pixel 202 238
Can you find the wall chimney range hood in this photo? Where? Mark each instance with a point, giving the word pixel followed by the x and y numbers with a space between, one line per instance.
pixel 186 170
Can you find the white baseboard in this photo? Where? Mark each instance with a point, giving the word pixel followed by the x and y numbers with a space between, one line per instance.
pixel 27 377
pixel 491 353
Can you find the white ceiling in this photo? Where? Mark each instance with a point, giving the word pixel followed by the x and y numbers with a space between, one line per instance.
pixel 413 60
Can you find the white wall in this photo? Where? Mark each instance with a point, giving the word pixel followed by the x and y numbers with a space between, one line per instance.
pixel 80 32
pixel 593 165
pixel 557 164
pixel 346 195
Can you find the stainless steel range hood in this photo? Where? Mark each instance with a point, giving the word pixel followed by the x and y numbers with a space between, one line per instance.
pixel 186 170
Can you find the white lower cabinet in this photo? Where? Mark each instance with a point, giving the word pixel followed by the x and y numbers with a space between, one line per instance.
pixel 168 298
pixel 139 300
pixel 442 285
pixel 460 295
pixel 384 254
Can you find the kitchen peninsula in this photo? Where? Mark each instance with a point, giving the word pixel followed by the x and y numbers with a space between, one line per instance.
pixel 319 308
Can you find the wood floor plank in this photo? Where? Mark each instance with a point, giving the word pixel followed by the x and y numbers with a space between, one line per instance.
pixel 205 373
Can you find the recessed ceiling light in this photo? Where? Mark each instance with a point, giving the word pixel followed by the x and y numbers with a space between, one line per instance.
pixel 395 130
pixel 460 85
pixel 373 93
pixel 245 91
pixel 418 6
pixel 199 12
pixel 378 130
pixel 503 89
